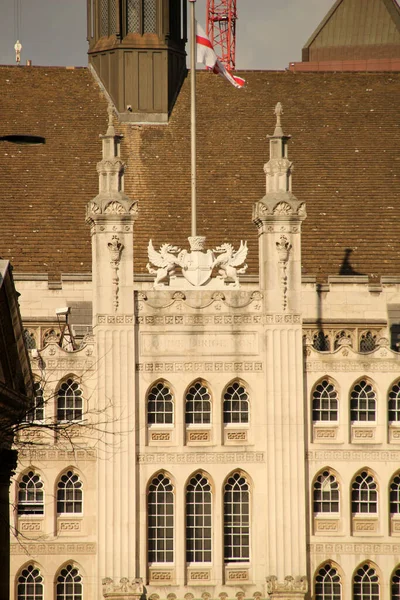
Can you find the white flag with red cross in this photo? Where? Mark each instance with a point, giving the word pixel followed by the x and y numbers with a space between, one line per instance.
pixel 207 56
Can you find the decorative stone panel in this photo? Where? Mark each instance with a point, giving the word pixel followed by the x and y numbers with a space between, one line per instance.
pixel 198 436
pixel 324 433
pixel 69 526
pixel 198 576
pixel 394 433
pixel 365 526
pixel 326 526
pixel 160 436
pixel 30 528
pixel 362 435
pixel 235 436
pixel 237 575
pixel 160 576
pixel 395 525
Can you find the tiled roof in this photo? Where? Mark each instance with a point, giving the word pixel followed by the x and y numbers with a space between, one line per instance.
pixel 345 148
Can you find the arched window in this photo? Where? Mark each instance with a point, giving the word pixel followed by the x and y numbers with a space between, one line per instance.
pixel 326 493
pixel 394 403
pixel 236 404
pixel 30 339
pixel 160 520
pixel 69 494
pixel 237 519
pixel 328 584
pixel 160 405
pixel 364 494
pixel 36 412
pixel 363 402
pixel 366 584
pixel 198 404
pixel 30 495
pixel 367 341
pixel 395 585
pixel 198 520
pixel 325 402
pixel 321 341
pixel 30 584
pixel 69 584
pixel 69 401
pixel 395 495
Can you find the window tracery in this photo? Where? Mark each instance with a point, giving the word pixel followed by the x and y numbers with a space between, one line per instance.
pixel 198 520
pixel 364 495
pixel 366 583
pixel 325 402
pixel 30 495
pixel 328 585
pixel 160 520
pixel 198 404
pixel 30 584
pixel 69 584
pixel 237 519
pixel 69 401
pixel 363 402
pixel 236 404
pixel 326 493
pixel 160 405
pixel 69 494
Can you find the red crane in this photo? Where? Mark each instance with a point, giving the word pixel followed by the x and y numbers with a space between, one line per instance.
pixel 221 29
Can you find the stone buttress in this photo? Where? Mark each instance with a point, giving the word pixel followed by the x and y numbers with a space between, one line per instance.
pixel 111 215
pixel 278 217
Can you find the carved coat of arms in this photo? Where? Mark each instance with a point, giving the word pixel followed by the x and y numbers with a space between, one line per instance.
pixel 198 264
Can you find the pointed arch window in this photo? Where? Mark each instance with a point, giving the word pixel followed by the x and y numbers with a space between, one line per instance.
pixel 198 404
pixel 69 401
pixel 30 584
pixel 69 494
pixel 363 402
pixel 160 520
pixel 160 405
pixel 198 520
pixel 367 341
pixel 328 585
pixel 364 495
pixel 69 584
pixel 326 493
pixel 36 412
pixel 236 404
pixel 366 583
pixel 325 402
pixel 31 495
pixel 394 403
pixel 237 519
pixel 395 585
pixel 395 495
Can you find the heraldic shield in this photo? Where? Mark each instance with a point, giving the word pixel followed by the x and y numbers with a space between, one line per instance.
pixel 197 265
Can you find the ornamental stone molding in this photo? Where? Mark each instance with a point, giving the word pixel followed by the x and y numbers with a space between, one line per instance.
pixel 197 367
pixel 200 457
pixel 115 248
pixel 355 456
pixel 124 589
pixel 352 366
pixel 197 265
pixel 42 548
pixel 362 549
pixel 178 300
pixel 283 248
pixel 31 455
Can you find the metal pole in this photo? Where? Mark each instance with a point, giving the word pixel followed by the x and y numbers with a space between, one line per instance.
pixel 193 111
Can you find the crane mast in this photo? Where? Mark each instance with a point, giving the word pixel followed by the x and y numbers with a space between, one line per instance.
pixel 221 30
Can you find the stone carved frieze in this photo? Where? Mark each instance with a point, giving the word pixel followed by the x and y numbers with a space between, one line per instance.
pixel 197 265
pixel 240 300
pixel 362 366
pixel 200 457
pixel 132 587
pixel 354 456
pixel 198 367
pixel 290 584
pixel 42 548
pixel 43 455
pixel 353 548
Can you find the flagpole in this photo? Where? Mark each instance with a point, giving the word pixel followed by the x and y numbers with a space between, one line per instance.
pixel 193 113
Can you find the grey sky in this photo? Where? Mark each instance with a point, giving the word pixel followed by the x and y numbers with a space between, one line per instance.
pixel 270 33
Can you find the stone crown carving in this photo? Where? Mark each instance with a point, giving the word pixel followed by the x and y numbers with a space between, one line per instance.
pixel 125 586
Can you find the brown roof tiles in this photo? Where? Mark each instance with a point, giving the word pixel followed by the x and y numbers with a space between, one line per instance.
pixel 345 148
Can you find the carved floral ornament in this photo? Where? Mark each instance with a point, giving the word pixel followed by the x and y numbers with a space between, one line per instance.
pixel 124 586
pixel 291 584
pixel 197 265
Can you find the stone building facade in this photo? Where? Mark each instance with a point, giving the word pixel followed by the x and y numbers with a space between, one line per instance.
pixel 222 432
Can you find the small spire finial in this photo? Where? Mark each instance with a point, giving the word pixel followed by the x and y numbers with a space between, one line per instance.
pixel 110 111
pixel 279 112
